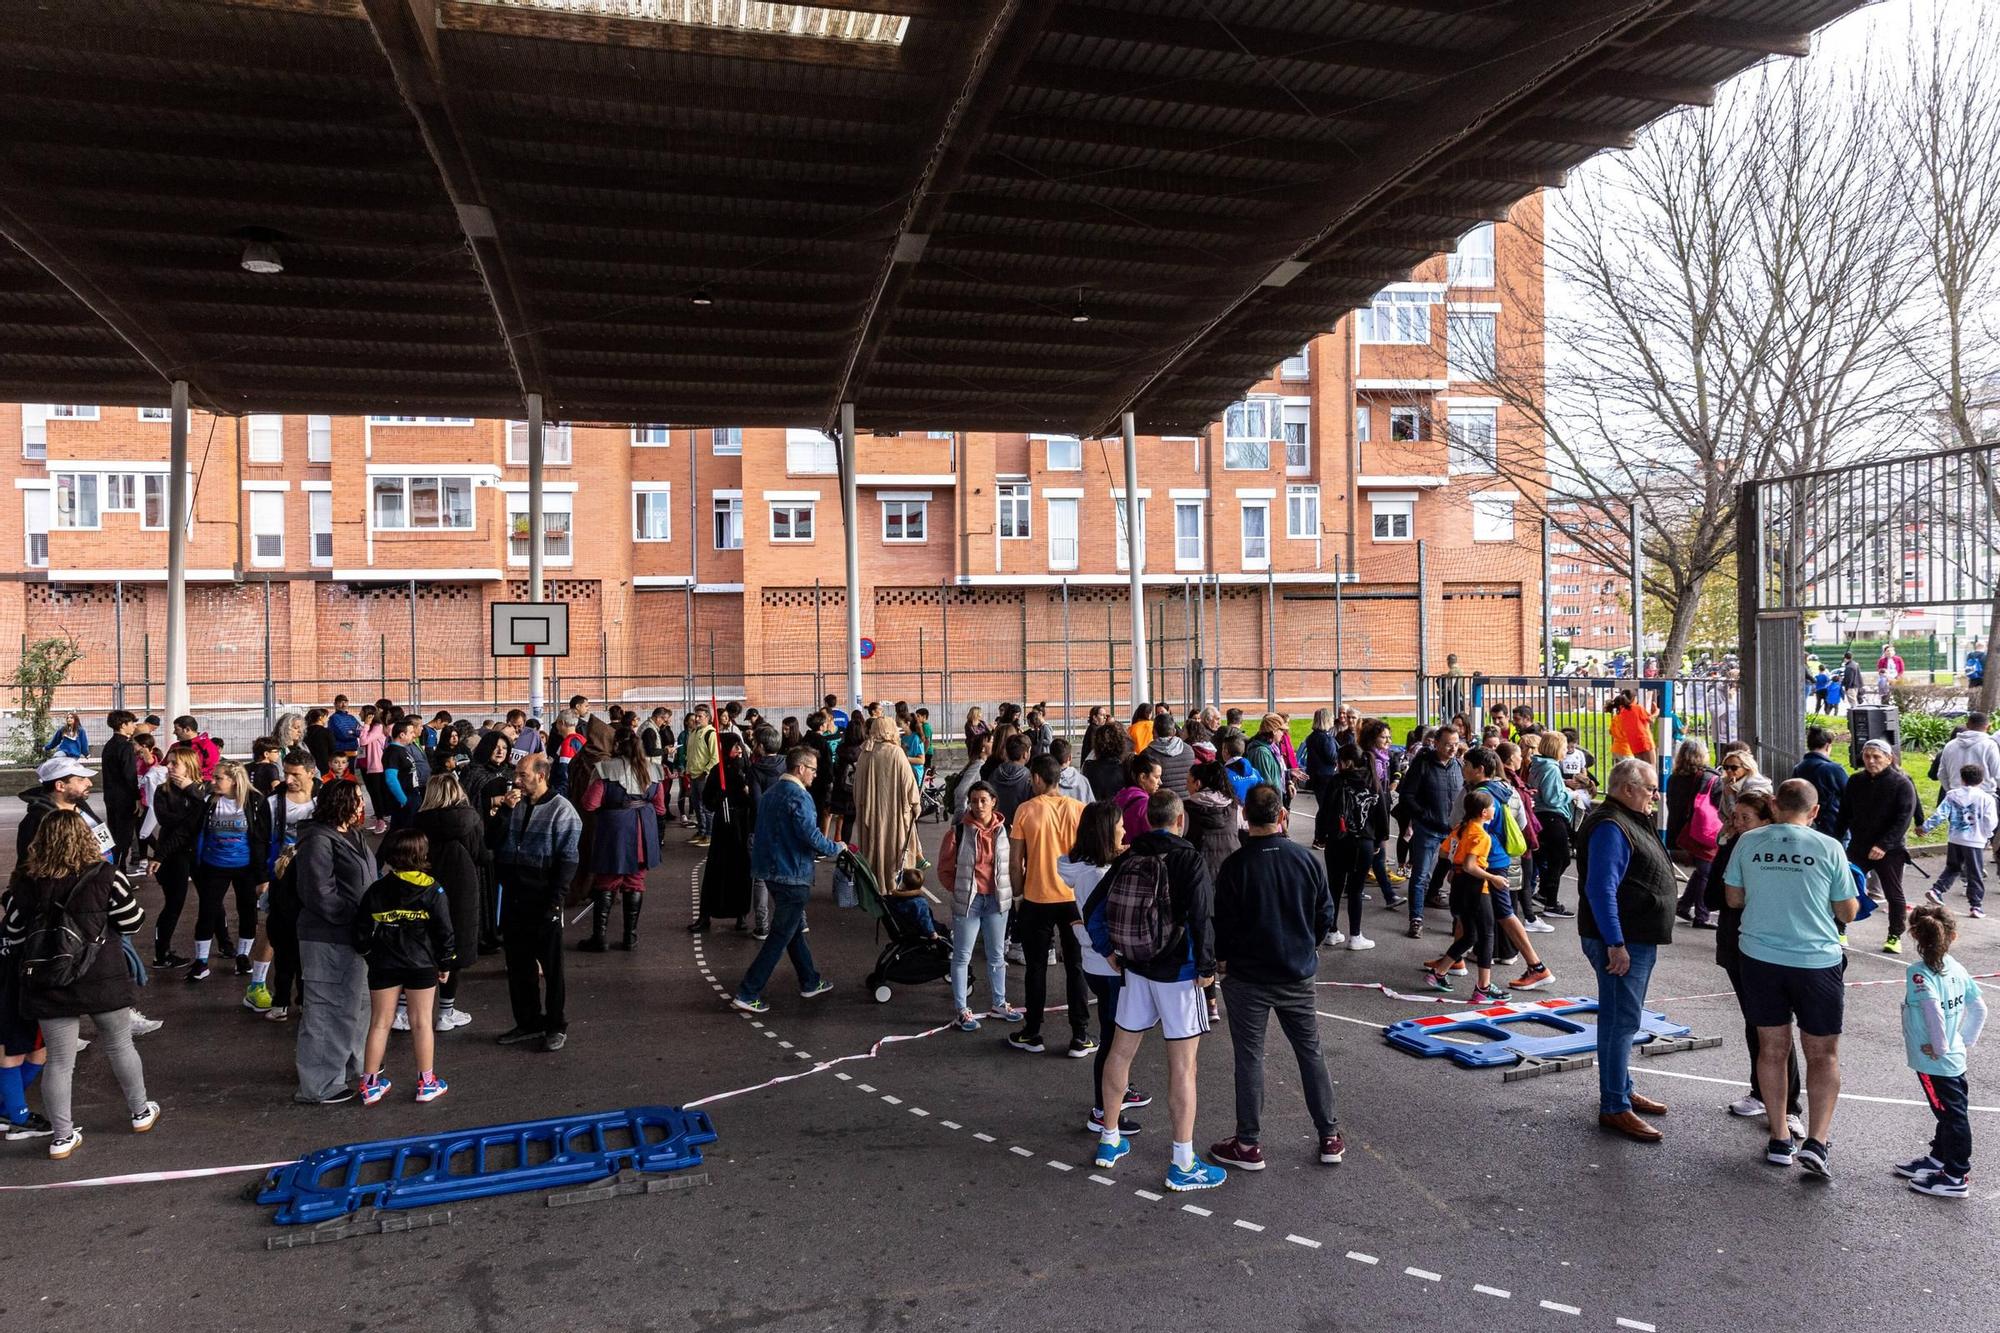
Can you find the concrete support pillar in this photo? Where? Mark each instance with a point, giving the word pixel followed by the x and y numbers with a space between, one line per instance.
pixel 178 501
pixel 850 506
pixel 1134 532
pixel 535 590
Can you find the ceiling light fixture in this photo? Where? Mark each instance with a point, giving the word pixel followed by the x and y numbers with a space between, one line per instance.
pixel 1081 316
pixel 262 257
pixel 701 297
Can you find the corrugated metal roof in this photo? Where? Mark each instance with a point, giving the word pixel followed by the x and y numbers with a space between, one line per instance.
pixel 695 205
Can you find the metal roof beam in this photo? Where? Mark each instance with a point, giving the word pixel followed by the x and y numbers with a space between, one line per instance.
pixel 1257 44
pixel 1762 39
pixel 406 31
pixel 1577 133
pixel 1644 87
pixel 691 39
pixel 1195 94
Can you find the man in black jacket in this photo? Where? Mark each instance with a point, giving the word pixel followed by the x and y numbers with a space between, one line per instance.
pixel 1272 907
pixel 1010 781
pixel 121 784
pixel 1432 788
pixel 1881 806
pixel 534 834
pixel 1174 756
pixel 64 785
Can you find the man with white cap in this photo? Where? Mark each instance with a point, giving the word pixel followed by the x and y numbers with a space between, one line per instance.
pixel 64 785
pixel 1880 805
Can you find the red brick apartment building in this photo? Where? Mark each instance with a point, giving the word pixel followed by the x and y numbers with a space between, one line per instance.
pixel 715 554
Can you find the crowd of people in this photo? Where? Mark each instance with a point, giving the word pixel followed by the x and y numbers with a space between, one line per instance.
pixel 362 860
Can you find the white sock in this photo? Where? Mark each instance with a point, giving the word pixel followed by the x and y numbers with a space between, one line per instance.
pixel 201 948
pixel 243 947
pixel 1184 1156
pixel 1109 1135
pixel 258 971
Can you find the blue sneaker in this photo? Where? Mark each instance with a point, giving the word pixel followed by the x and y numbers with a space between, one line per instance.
pixel 1109 1153
pixel 1201 1176
pixel 1920 1166
pixel 749 1006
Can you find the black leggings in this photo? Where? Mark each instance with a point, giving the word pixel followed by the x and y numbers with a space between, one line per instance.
pixel 283 935
pixel 1105 989
pixel 212 885
pixel 1348 861
pixel 1552 857
pixel 1472 907
pixel 173 878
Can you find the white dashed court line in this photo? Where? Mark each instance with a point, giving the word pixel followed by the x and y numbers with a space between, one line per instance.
pixel 1360 1258
pixel 803 1055
pixel 1560 1308
pixel 951 1124
pixel 1485 1290
pixel 1198 1212
pixel 1623 1322
pixel 918 1110
pixel 753 1022
pixel 1147 1195
pixel 1018 1150
pixel 1248 1226
pixel 864 1087
pixel 767 1032
pixel 844 1078
pixel 1060 1166
pixel 1104 1180
pixel 1306 1241
pixel 784 1045
pixel 1423 1273
pixel 985 1138
pixel 893 1101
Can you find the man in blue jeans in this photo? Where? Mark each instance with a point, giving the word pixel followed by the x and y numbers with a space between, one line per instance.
pixel 781 855
pixel 1433 788
pixel 1626 914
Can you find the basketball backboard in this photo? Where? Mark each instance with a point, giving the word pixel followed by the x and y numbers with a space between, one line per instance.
pixel 531 629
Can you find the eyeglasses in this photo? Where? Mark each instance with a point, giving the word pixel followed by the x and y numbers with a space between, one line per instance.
pixel 1732 768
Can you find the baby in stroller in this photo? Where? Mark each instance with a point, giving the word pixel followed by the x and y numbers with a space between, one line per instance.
pixel 916 953
pixel 910 906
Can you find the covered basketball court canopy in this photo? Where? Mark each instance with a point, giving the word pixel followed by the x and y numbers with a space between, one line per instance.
pixel 949 214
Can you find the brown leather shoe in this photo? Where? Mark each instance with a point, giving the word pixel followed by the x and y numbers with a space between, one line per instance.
pixel 1647 1106
pixel 1631 1126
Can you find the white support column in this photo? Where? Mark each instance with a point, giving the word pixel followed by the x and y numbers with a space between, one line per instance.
pixel 1134 534
pixel 178 502
pixel 535 539
pixel 850 507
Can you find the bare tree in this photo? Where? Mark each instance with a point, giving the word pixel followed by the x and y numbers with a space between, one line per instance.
pixel 1719 302
pixel 1946 111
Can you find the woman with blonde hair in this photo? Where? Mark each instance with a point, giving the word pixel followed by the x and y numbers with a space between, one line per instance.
pixel 174 824
pixel 458 861
pixel 64 864
pixel 232 851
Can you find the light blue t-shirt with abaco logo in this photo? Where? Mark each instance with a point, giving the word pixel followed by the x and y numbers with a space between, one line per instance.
pixel 1790 875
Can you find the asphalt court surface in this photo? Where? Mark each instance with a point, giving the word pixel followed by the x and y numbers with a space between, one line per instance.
pixel 946 1182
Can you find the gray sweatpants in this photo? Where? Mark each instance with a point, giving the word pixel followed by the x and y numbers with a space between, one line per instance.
pixel 334 1023
pixel 114 1036
pixel 1249 1005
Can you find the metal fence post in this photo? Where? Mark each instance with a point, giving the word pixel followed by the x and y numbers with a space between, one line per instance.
pixel 1024 649
pixel 1423 625
pixel 604 667
pixel 1270 640
pixel 416 694
pixel 1068 702
pixel 819 675
pixel 1339 649
pixel 1221 695
pixel 270 686
pixel 1548 624
pixel 923 700
pixel 944 637
pixel 1638 596
pixel 1110 662
pixel 146 669
pixel 118 643
pixel 382 666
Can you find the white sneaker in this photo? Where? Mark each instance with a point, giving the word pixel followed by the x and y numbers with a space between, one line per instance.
pixel 459 1017
pixel 143 1026
pixel 1360 942
pixel 147 1115
pixel 1014 954
pixel 1796 1125
pixel 1538 927
pixel 441 1021
pixel 401 1022
pixel 1747 1107
pixel 1333 941
pixel 64 1146
pixel 1055 958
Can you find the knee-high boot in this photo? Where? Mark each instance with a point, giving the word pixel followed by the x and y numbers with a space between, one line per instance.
pixel 634 900
pixel 600 923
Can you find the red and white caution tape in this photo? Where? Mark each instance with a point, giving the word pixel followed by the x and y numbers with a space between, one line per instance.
pixel 822 1066
pixel 1395 994
pixel 151 1177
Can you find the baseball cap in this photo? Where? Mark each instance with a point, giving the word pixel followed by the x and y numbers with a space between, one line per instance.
pixel 63 766
pixel 1879 744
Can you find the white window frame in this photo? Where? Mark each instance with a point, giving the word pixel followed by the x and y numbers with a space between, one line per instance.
pixel 266 515
pixel 1262 508
pixel 1019 498
pixel 1071 457
pixel 391 419
pixel 119 492
pixel 559 544
pixel 1183 561
pixel 1363 416
pixel 907 509
pixel 726 441
pixel 264 436
pixel 1474 451
pixel 1397 317
pixel 652 436
pixel 153 489
pixel 726 520
pixel 408 483
pixel 156 414
pixel 1296 412
pixel 33 525
pixel 1297 366
pixel 798 513
pixel 811 453
pixel 1297 500
pixel 319 439
pixel 1248 424
pixel 649 500
pixel 555 444
pixel 1122 560
pixel 79 483
pixel 1456 323
pixel 34 430
pixel 1417 416
pixel 72 412
pixel 1392 507
pixel 1471 263
pixel 1065 552
pixel 319 526
pixel 1493 517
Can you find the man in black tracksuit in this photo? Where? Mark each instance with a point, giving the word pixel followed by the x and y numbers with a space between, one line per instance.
pixel 534 834
pixel 120 776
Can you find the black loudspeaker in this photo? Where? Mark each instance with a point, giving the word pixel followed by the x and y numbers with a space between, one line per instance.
pixel 1869 722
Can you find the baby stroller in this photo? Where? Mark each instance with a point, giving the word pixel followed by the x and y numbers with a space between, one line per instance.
pixel 934 808
pixel 905 960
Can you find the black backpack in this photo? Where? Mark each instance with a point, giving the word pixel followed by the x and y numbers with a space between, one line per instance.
pixel 1354 806
pixel 61 945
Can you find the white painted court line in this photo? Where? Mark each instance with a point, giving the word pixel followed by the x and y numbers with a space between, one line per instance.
pixel 1018 1150
pixel 1104 1180
pixel 1060 1166
pixel 784 1046
pixel 1362 1022
pixel 984 1138
pixel 1306 1241
pixel 918 1110
pixel 893 1101
pixel 1485 1290
pixel 1423 1273
pixel 951 1124
pixel 844 1078
pixel 1360 1258
pixel 753 1022
pixel 1198 1212
pixel 1844 1096
pixel 1623 1322
pixel 767 1032
pixel 1560 1308
pixel 864 1087
pixel 1248 1226
pixel 803 1055
pixel 1147 1195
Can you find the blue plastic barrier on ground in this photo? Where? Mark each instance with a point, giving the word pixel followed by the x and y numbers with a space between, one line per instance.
pixel 1506 1034
pixel 427 1170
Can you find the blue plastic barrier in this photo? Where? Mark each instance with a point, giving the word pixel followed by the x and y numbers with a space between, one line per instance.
pixel 1510 1033
pixel 427 1170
